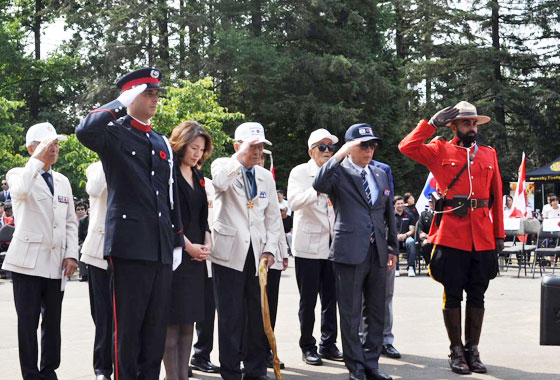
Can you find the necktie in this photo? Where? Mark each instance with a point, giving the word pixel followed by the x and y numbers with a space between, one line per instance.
pixel 48 179
pixel 366 187
pixel 252 188
pixel 368 193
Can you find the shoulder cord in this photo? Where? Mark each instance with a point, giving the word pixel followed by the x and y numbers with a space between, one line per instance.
pixel 170 160
pixel 470 159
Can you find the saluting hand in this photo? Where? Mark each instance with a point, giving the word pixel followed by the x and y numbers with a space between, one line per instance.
pixel 443 117
pixel 43 151
pixel 128 96
pixel 244 148
pixel 345 149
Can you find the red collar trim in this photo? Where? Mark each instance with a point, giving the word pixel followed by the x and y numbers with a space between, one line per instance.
pixel 141 127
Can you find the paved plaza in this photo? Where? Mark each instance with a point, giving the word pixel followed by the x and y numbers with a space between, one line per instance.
pixel 509 344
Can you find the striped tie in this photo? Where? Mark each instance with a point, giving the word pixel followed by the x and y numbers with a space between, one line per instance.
pixel 366 187
pixel 368 193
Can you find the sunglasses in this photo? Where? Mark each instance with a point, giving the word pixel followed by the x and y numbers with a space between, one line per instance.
pixel 368 144
pixel 324 147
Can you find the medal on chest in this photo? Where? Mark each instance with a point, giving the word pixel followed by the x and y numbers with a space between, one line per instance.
pixel 248 187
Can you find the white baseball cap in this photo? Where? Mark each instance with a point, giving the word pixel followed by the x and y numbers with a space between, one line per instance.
pixel 320 134
pixel 247 131
pixel 40 132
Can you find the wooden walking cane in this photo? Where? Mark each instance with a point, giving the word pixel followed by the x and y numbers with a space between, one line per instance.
pixel 263 277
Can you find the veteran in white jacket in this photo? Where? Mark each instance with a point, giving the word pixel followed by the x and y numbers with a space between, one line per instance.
pixel 246 228
pixel 312 232
pixel 98 277
pixel 44 248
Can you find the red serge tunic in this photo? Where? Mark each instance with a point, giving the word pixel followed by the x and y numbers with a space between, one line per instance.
pixel 481 226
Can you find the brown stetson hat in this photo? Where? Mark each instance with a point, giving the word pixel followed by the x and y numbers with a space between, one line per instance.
pixel 468 111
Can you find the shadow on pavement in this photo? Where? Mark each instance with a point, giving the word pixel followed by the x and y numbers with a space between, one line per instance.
pixel 410 367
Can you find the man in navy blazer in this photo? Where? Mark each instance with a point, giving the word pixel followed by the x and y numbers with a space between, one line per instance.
pixel 365 239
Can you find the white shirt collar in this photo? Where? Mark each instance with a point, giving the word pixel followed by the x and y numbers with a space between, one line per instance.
pixel 359 168
pixel 141 122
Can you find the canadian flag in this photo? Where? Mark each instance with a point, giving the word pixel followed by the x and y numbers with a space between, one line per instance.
pixel 520 197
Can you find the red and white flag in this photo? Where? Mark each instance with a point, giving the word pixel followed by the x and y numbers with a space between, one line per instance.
pixel 520 198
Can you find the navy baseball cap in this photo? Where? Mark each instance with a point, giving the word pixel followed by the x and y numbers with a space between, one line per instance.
pixel 361 132
pixel 149 76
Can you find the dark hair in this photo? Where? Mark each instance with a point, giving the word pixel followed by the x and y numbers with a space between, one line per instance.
pixel 81 203
pixel 184 134
pixel 551 195
pixel 406 197
pixel 398 198
pixel 509 197
pixel 553 198
pixel 280 192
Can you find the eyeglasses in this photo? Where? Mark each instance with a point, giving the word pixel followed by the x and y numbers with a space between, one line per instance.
pixel 324 147
pixel 364 145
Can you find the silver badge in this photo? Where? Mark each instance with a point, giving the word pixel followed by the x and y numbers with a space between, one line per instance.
pixel 154 74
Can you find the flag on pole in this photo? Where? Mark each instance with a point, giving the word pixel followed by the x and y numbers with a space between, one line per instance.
pixel 429 187
pixel 520 198
pixel 266 151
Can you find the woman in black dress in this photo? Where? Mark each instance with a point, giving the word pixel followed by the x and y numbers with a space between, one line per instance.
pixel 191 146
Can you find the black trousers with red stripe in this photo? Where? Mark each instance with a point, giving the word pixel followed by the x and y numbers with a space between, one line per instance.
pixel 141 296
pixel 101 306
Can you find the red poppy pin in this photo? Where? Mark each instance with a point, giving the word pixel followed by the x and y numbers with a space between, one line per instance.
pixel 162 155
pixel 202 183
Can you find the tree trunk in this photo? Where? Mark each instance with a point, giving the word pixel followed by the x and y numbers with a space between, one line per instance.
pixel 182 33
pixel 256 17
pixel 499 110
pixel 34 96
pixel 162 22
pixel 399 29
pixel 195 41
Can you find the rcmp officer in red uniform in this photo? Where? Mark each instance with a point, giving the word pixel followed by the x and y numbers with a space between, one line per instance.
pixel 143 224
pixel 470 230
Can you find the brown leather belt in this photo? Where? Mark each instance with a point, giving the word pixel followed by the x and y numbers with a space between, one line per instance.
pixel 470 203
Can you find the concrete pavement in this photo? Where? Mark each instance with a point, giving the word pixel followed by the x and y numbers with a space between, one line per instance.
pixel 509 343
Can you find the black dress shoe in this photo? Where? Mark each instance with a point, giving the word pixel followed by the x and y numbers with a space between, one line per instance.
pixel 270 361
pixel 204 366
pixel 311 357
pixel 390 351
pixel 190 374
pixel 357 375
pixel 263 377
pixel 377 374
pixel 331 353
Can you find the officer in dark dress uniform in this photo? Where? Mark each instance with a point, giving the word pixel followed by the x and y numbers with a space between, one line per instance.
pixel 143 225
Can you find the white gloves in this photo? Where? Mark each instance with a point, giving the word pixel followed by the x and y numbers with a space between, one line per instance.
pixel 177 257
pixel 128 96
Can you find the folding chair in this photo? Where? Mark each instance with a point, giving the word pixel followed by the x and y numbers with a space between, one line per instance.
pixel 531 226
pixel 513 228
pixel 548 244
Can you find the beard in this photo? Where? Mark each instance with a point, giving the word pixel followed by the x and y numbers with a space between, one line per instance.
pixel 466 139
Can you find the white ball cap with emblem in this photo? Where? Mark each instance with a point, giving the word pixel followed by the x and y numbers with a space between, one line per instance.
pixel 40 132
pixel 251 130
pixel 319 135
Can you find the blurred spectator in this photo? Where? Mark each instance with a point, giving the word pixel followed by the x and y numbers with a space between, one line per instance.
pixel 554 211
pixel 508 207
pixel 5 194
pixel 8 217
pixel 410 208
pixel 83 224
pixel 282 202
pixel 405 232
pixel 424 224
pixel 547 206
